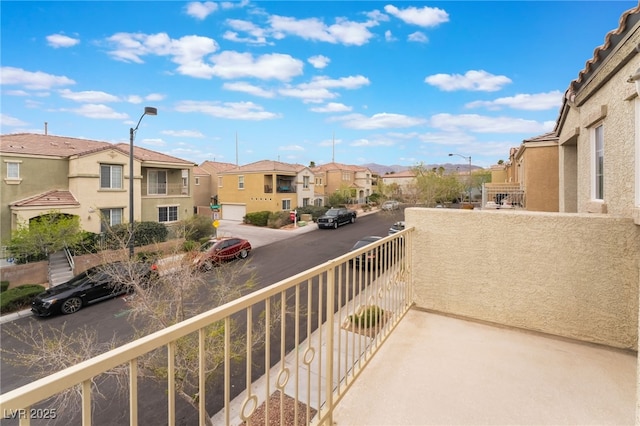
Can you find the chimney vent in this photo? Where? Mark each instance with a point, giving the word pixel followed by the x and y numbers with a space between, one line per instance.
pixel 45 128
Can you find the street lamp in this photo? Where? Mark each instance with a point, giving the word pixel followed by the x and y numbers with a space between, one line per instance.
pixel 147 111
pixel 469 181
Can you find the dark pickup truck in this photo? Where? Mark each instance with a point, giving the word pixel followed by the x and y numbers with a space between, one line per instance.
pixel 335 217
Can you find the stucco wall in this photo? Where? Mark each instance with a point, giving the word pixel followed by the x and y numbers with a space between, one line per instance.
pixel 571 275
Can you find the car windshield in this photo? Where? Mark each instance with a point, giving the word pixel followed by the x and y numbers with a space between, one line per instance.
pixel 208 245
pixel 89 275
pixel 332 212
pixel 362 243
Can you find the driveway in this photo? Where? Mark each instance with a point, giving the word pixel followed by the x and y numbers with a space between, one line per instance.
pixel 257 235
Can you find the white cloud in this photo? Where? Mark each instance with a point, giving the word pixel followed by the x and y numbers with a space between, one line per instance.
pixel 332 107
pixel 423 17
pixel 229 110
pixel 378 121
pixel 98 111
pixel 308 94
pixel 474 80
pixel 291 148
pixel 155 97
pixel 342 32
pixel 330 142
pixel 200 10
pixel 251 89
pixel 388 36
pixel 16 93
pixel 369 142
pixel 88 96
pixel 351 82
pixel 484 124
pixel 59 40
pixel 319 61
pixel 183 133
pixel 8 121
pixel 257 34
pixel 153 142
pixel 535 102
pixel 32 80
pixel 418 37
pixel 277 66
pixel 188 51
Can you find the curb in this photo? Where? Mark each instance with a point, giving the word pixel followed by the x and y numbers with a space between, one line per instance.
pixel 15 315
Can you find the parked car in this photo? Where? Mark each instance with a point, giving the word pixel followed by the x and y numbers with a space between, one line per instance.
pixel 335 217
pixel 390 205
pixel 219 250
pixel 367 258
pixel 396 227
pixel 94 285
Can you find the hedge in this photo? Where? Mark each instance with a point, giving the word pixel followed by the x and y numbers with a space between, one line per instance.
pixel 257 218
pixel 4 285
pixel 19 297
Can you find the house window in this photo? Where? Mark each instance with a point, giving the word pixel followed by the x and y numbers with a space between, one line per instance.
pixel 111 176
pixel 197 181
pixel 157 182
pixel 286 204
pixel 346 176
pixel 305 182
pixel 219 181
pixel 13 170
pixel 598 139
pixel 110 217
pixel 305 202
pixel 318 202
pixel 168 214
pixel 240 182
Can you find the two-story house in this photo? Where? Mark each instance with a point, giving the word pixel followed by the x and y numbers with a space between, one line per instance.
pixel 265 185
pixel 398 183
pixel 599 129
pixel 207 183
pixel 89 179
pixel 332 177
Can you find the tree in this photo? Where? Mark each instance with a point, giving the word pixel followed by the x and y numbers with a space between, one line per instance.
pixel 171 299
pixel 43 235
pixel 434 186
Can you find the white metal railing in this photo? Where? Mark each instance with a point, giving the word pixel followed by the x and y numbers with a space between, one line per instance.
pixel 322 331
pixel 503 195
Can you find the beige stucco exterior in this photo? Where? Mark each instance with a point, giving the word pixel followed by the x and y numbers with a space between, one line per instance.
pixel 537 172
pixel 333 177
pixel 602 97
pixel 571 275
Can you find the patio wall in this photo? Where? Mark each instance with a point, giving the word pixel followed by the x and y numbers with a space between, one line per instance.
pixel 570 275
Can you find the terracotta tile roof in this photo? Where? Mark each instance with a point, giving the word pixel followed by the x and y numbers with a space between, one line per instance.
pixel 144 154
pixel 49 145
pixel 200 171
pixel 216 166
pixel 611 40
pixel 265 166
pixel 51 198
pixel 64 147
pixel 339 166
pixel 402 174
pixel 547 137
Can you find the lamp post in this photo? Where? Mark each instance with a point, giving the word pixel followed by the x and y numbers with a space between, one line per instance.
pixel 469 177
pixel 147 111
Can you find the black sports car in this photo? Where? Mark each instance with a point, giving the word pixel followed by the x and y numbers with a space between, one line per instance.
pixel 95 284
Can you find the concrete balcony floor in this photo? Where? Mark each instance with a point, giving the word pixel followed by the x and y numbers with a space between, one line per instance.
pixel 436 370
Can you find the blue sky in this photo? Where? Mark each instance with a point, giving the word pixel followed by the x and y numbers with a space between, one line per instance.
pixel 393 82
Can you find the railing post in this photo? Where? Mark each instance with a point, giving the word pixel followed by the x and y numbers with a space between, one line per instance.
pixel 330 340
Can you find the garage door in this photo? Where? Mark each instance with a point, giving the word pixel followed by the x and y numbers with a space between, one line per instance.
pixel 233 211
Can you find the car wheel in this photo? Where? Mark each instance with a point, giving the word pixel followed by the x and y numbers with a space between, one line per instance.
pixel 335 225
pixel 353 219
pixel 243 254
pixel 71 306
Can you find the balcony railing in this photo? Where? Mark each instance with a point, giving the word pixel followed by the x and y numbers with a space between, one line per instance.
pixel 332 319
pixel 164 190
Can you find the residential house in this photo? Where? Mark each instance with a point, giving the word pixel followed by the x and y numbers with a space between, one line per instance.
pixel 598 129
pixel 399 183
pixel 509 317
pixel 332 177
pixel 531 175
pixel 89 179
pixel 202 197
pixel 213 168
pixel 264 185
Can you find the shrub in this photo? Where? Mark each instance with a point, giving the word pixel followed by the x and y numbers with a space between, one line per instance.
pixel 19 297
pixel 278 219
pixel 89 243
pixel 257 218
pixel 314 211
pixel 190 245
pixel 145 233
pixel 196 228
pixel 4 285
pixel 369 317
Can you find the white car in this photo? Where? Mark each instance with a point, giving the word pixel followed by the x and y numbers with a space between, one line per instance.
pixel 390 205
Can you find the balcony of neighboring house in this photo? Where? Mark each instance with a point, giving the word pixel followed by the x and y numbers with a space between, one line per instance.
pixel 165 183
pixel 503 196
pixel 441 323
pixel 285 184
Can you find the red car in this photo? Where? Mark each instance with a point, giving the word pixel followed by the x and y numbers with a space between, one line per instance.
pixel 218 250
